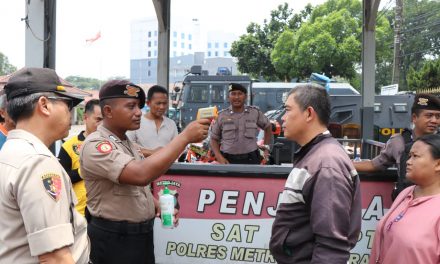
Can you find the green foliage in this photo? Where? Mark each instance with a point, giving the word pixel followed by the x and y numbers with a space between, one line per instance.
pixel 420 36
pixel 253 50
pixel 5 66
pixel 427 77
pixel 84 82
pixel 281 59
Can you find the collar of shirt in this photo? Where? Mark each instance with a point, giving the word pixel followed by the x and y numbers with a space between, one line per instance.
pixel 32 139
pixel 108 133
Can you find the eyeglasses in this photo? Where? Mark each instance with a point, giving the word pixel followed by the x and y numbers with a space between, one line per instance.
pixel 68 101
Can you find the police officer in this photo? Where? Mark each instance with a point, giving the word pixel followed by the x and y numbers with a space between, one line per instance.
pixel 117 177
pixel 425 114
pixel 233 135
pixel 38 223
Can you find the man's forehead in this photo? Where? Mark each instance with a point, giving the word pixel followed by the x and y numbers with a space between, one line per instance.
pixel 428 111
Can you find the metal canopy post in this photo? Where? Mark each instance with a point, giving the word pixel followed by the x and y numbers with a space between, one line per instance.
pixel 370 8
pixel 40 33
pixel 163 11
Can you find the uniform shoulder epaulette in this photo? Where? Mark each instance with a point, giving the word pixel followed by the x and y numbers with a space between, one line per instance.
pixel 223 110
pixel 253 107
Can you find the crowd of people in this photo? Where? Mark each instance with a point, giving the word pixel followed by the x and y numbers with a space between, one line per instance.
pixel 93 203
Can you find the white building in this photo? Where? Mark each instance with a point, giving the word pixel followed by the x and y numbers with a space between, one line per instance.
pixel 185 40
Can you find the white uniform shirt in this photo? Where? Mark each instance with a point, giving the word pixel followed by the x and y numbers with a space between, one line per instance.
pixel 37 204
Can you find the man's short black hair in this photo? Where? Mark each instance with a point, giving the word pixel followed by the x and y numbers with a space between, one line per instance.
pixel 90 105
pixel 156 89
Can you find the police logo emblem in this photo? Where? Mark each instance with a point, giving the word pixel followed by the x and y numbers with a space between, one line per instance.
pixel 52 183
pixel 104 147
pixel 131 91
pixel 423 101
pixel 76 148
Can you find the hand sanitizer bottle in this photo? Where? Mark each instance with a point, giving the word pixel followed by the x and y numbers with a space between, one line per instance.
pixel 166 201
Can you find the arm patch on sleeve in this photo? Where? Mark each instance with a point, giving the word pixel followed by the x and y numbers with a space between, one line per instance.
pixel 104 147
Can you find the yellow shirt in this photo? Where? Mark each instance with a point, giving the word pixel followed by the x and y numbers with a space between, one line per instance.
pixel 69 159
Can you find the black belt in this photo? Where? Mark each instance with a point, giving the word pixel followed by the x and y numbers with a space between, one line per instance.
pixel 239 156
pixel 123 227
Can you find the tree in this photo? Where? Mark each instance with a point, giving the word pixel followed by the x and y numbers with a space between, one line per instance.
pixel 420 36
pixel 5 66
pixel 253 50
pixel 84 82
pixel 427 77
pixel 281 58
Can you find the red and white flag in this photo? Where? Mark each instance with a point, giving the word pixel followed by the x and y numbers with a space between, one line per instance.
pixel 93 39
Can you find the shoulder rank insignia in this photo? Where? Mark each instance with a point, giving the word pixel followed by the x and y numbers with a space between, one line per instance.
pixel 104 147
pixel 52 184
pixel 131 91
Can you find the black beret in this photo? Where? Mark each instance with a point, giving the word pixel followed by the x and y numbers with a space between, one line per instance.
pixel 122 89
pixel 37 80
pixel 237 87
pixel 426 102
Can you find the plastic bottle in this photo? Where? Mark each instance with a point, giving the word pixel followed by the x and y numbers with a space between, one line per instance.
pixel 357 158
pixel 166 201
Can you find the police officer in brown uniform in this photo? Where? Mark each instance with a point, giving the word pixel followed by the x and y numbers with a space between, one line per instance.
pixel 117 177
pixel 425 115
pixel 234 133
pixel 38 220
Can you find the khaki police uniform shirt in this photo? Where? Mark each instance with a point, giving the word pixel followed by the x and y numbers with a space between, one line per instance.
pixel 103 156
pixel 391 154
pixel 237 132
pixel 37 213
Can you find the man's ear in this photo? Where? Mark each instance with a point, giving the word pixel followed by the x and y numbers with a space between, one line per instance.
pixel 44 106
pixel 310 113
pixel 107 111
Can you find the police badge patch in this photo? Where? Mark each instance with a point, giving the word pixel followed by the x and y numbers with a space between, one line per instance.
pixel 52 184
pixel 104 147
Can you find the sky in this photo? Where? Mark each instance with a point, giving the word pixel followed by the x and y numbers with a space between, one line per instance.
pixel 110 55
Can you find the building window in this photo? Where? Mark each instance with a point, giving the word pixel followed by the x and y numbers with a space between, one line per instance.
pixel 174 54
pixel 149 63
pixel 175 34
pixel 155 43
pixel 155 53
pixel 182 53
pixel 182 45
pixel 189 36
pixel 216 45
pixel 155 33
pixel 149 73
pixel 182 35
pixel 225 45
pixel 189 46
pixel 226 54
pixel 149 34
pixel 149 43
pixel 209 45
pixel 216 54
pixel 175 44
pixel 209 54
pixel 149 54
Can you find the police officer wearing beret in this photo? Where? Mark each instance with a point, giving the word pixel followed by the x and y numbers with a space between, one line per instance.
pixel 38 223
pixel 234 133
pixel 117 177
pixel 425 114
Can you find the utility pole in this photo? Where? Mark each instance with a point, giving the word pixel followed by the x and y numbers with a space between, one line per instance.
pixel 397 40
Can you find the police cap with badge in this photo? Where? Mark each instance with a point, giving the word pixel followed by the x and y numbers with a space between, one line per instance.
pixel 237 87
pixel 425 102
pixel 122 89
pixel 28 81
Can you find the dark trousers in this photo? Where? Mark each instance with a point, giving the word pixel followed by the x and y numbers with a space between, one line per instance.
pixel 121 242
pixel 247 158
